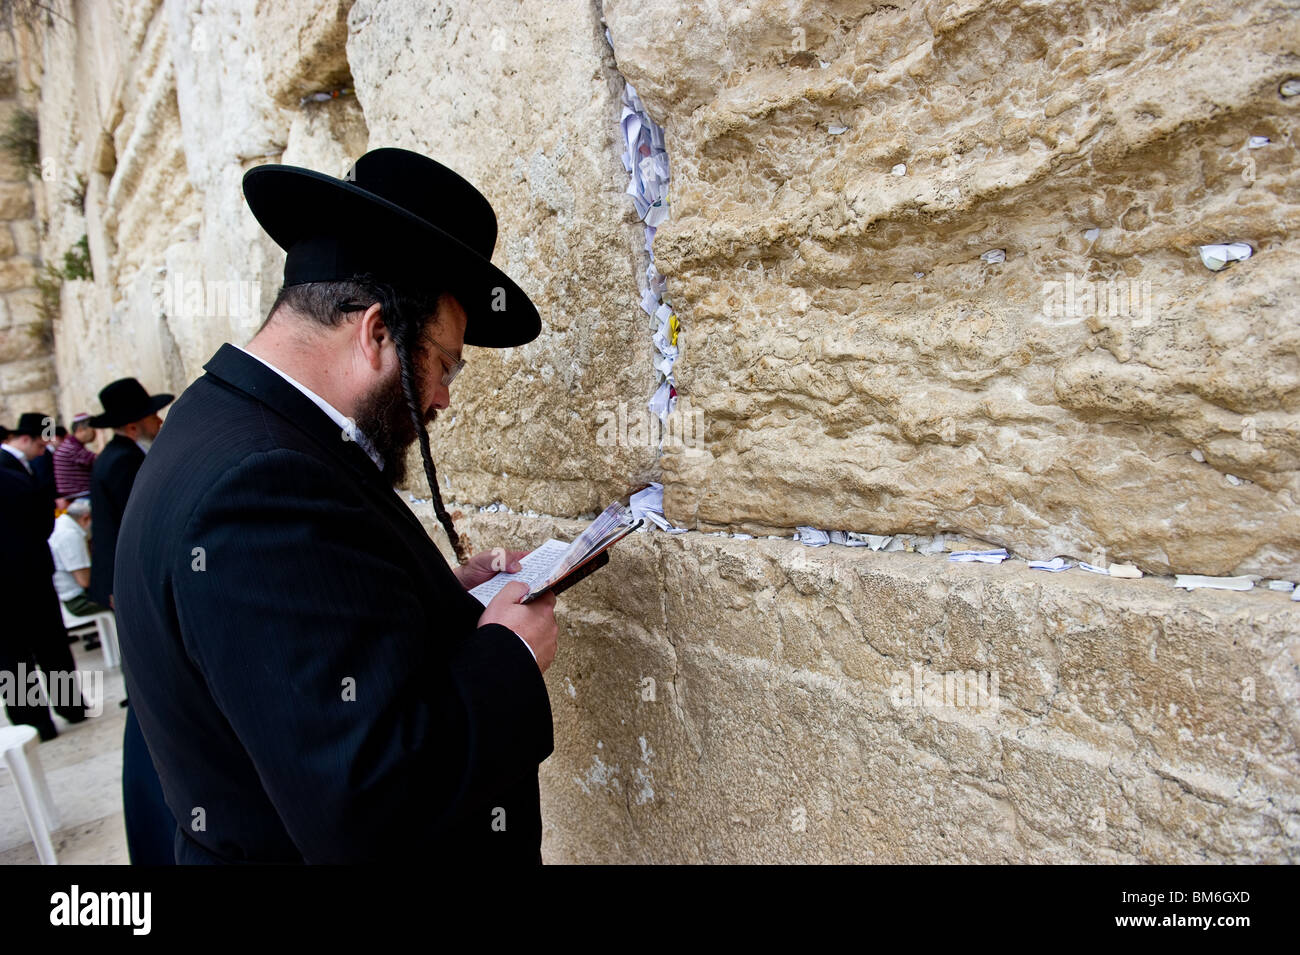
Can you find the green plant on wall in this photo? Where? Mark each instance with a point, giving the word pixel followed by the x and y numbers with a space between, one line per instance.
pixel 76 194
pixel 76 261
pixel 21 140
pixel 49 286
pixel 49 281
pixel 30 13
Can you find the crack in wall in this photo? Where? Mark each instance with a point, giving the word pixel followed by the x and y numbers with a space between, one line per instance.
pixel 468 510
pixel 645 159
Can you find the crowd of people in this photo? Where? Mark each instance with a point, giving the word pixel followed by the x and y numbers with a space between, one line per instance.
pixel 62 505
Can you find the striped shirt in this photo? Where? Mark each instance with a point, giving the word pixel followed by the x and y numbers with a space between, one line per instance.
pixel 72 461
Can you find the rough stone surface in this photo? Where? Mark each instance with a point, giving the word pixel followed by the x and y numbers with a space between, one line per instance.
pixel 26 362
pixel 993 401
pixel 15 200
pixel 860 366
pixel 523 101
pixel 1132 723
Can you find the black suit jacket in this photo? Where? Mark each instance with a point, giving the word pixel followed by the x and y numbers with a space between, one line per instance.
pixel 43 468
pixel 309 674
pixel 27 516
pixel 111 480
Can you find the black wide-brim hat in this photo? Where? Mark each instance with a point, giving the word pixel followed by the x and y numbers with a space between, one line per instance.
pixel 404 219
pixel 31 423
pixel 124 401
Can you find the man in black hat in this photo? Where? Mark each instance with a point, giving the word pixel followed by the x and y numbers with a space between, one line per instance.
pixel 132 413
pixel 33 634
pixel 313 679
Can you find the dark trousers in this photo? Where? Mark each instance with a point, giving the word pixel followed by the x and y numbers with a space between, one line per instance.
pixel 82 606
pixel 35 637
pixel 150 826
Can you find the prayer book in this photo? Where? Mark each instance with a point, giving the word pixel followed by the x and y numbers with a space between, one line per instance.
pixel 556 566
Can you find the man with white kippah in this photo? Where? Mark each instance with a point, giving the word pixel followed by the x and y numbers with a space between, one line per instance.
pixel 73 459
pixel 72 562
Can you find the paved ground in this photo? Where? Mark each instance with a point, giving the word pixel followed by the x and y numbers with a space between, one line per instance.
pixel 83 767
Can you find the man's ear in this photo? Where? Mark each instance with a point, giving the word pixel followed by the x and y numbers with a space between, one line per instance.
pixel 372 334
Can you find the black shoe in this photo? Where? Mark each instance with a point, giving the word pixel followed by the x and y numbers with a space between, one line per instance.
pixel 47 732
pixel 75 716
pixel 124 704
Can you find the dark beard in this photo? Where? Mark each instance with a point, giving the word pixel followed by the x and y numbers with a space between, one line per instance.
pixel 384 417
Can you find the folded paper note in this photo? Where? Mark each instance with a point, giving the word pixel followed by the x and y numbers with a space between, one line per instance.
pixel 1217 257
pixel 812 537
pixel 983 556
pixel 1195 581
pixel 1055 564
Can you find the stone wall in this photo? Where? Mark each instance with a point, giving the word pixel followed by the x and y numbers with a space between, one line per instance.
pixel 842 315
pixel 26 333
pixel 761 701
pixel 840 171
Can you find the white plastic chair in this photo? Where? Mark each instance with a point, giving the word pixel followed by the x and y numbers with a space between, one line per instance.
pixel 104 623
pixel 18 748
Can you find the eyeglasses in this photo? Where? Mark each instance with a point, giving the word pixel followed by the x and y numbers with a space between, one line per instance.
pixel 457 365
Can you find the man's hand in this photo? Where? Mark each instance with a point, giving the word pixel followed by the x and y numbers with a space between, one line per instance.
pixel 485 565
pixel 534 622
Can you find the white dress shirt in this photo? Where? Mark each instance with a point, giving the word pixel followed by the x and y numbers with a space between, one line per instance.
pixel 347 426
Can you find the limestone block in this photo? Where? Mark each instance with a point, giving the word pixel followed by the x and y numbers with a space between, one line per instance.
pixel 16 273
pixel 790 719
pixel 21 307
pixel 10 169
pixel 219 75
pixel 13 405
pixel 27 375
pixel 303 47
pixel 327 136
pixel 18 342
pixel 522 100
pixel 860 364
pixel 15 200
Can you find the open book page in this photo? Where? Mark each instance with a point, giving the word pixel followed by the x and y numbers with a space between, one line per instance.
pixel 611 522
pixel 555 560
pixel 534 570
